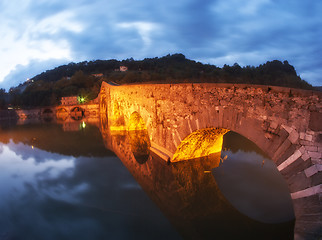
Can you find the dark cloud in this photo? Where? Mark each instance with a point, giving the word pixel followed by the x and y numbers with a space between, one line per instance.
pixel 218 32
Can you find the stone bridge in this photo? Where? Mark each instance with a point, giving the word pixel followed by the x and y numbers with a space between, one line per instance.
pixel 285 123
pixel 61 112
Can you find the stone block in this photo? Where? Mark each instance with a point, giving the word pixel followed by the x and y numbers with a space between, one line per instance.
pixel 312 170
pixel 287 128
pixel 298 182
pixel 281 150
pixel 316 160
pixel 317 180
pixel 302 149
pixel 314 154
pixel 310 132
pixel 308 137
pixel 311 148
pixel 306 205
pixel 310 191
pixel 309 217
pixel 293 137
pixel 273 125
pixel 289 160
pixel 315 121
pixel 306 143
pixel 277 140
pixel 302 135
pixel 305 156
pixel 297 167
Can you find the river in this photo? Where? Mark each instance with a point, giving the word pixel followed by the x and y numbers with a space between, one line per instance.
pixel 78 181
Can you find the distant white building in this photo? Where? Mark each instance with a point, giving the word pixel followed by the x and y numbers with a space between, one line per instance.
pixel 69 100
pixel 123 68
pixel 98 75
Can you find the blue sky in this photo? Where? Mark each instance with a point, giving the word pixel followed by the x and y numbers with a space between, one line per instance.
pixel 37 35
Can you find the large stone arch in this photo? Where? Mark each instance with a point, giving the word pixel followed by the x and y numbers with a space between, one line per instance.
pixel 283 122
pixel 288 147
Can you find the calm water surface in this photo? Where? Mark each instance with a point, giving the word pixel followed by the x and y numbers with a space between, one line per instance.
pixel 57 184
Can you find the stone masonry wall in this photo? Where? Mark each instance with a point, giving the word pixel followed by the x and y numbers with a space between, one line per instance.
pixel 285 123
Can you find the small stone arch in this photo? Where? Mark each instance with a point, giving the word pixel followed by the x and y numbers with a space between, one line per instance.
pixel 77 113
pixel 47 111
pixel 62 114
pixel 47 114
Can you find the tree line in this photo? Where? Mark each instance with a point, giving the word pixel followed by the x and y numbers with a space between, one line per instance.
pixel 48 87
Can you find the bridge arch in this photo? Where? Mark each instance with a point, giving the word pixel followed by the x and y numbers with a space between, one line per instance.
pixel 77 113
pixel 62 114
pixel 47 111
pixel 286 127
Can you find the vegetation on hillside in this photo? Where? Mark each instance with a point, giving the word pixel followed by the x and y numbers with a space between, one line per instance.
pixel 48 87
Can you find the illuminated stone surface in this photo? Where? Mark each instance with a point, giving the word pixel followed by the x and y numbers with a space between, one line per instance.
pixel 276 119
pixel 189 196
pixel 200 143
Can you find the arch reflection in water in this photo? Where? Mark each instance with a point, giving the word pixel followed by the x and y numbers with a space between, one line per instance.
pixel 62 114
pixel 77 113
pixel 188 194
pixel 249 179
pixel 138 138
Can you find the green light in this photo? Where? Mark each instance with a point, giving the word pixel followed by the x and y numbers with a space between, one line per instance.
pixel 81 99
pixel 83 124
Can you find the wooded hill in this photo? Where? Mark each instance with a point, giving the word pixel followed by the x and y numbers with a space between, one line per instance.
pixel 78 78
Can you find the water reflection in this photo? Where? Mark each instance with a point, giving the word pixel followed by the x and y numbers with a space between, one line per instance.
pixel 252 183
pixel 48 195
pixel 188 194
pixel 72 187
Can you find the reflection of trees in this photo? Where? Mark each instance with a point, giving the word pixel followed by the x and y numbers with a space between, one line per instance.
pixel 234 142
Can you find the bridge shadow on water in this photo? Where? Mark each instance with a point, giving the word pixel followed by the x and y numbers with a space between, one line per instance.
pixel 187 192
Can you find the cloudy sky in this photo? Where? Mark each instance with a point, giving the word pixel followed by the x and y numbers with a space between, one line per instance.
pixel 37 35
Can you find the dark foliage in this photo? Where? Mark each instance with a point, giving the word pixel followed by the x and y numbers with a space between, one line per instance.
pixel 77 78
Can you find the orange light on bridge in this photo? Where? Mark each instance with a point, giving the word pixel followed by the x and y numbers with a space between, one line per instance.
pixel 200 143
pixel 136 122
